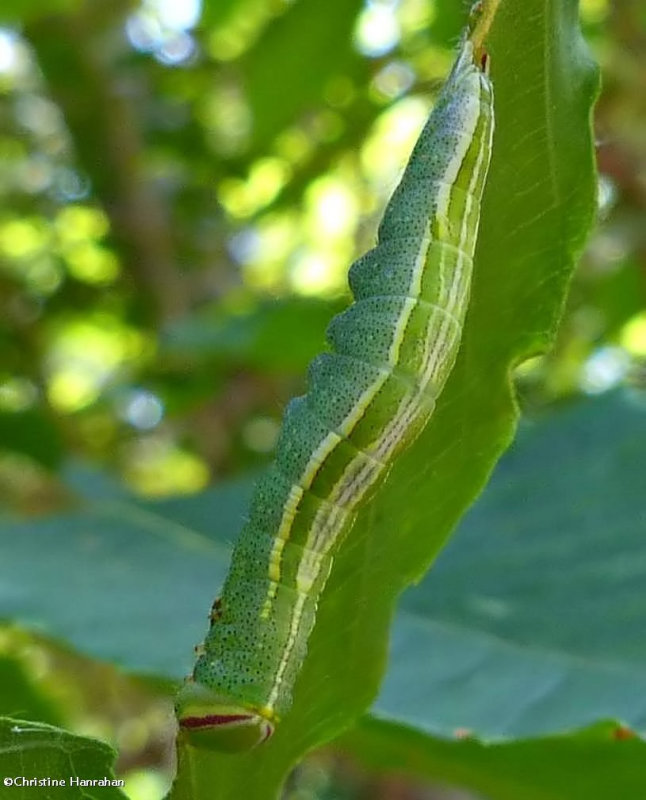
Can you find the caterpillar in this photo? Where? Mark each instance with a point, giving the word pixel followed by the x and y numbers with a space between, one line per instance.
pixel 367 400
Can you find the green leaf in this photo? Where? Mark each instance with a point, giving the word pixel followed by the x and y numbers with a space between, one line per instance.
pixel 29 750
pixel 214 12
pixel 448 22
pixel 21 697
pixel 285 74
pixel 96 580
pixel 531 621
pixel 32 433
pixel 20 10
pixel 594 764
pixel 284 335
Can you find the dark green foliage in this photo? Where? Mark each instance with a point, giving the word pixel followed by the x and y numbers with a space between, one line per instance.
pixel 54 755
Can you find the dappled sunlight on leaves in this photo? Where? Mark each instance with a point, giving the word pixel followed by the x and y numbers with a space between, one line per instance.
pixel 155 467
pixel 84 354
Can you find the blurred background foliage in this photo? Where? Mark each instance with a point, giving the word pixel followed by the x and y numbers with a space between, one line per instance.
pixel 183 186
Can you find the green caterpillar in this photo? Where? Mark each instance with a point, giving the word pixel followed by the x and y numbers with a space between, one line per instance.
pixel 393 350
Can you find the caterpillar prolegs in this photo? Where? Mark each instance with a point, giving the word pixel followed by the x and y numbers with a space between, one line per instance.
pixel 393 350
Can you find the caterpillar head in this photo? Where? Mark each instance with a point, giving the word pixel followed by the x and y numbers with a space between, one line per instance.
pixel 213 722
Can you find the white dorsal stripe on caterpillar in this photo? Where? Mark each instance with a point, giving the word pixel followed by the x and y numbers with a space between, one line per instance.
pixel 368 399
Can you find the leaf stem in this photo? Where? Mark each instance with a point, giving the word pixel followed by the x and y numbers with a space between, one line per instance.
pixel 482 15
